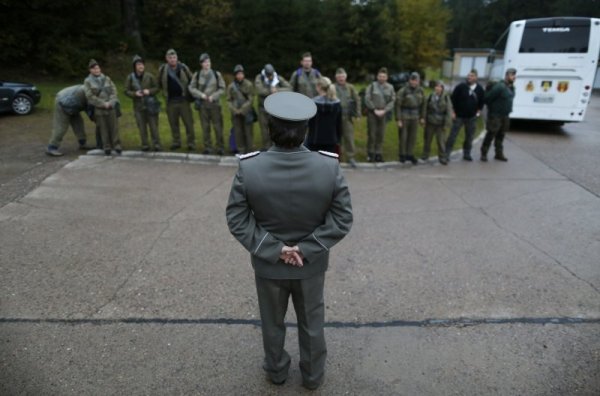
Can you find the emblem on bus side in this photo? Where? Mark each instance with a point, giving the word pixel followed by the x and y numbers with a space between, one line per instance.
pixel 562 86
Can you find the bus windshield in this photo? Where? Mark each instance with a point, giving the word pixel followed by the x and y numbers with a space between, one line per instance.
pixel 540 37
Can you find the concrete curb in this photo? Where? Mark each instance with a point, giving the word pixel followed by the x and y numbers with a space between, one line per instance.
pixel 233 160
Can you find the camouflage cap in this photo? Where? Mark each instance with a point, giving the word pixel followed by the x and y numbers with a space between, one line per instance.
pixel 137 59
pixel 171 51
pixel 511 70
pixel 340 70
pixel 92 63
pixel 290 106
pixel 269 69
pixel 238 68
pixel 204 57
pixel 415 76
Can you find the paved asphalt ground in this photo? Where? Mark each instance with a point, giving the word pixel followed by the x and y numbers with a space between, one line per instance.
pixel 119 276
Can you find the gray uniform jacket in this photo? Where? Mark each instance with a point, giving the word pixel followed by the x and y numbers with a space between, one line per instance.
pixel 380 96
pixel 72 99
pixel 212 80
pixel 100 90
pixel 289 197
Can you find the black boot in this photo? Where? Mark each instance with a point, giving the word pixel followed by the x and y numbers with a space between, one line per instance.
pixel 500 157
pixel 370 157
pixel 402 159
pixel 378 158
pixel 412 159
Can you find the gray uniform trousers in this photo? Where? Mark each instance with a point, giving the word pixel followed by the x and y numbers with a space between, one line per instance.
pixel 243 134
pixel 376 128
pixel 348 137
pixel 145 121
pixel 307 297
pixel 210 113
pixel 61 123
pixel 176 109
pixel 432 130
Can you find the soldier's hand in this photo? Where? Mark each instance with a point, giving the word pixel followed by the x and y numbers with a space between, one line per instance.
pixel 291 255
pixel 399 124
pixel 146 92
pixel 107 105
pixel 139 93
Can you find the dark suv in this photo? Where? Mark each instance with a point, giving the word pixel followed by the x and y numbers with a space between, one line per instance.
pixel 18 97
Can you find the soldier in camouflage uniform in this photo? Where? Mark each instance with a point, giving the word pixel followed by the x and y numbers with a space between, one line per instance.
pixel 350 101
pixel 142 87
pixel 499 101
pixel 379 100
pixel 240 96
pixel 68 105
pixel 304 79
pixel 101 93
pixel 409 103
pixel 174 78
pixel 206 87
pixel 437 111
pixel 267 82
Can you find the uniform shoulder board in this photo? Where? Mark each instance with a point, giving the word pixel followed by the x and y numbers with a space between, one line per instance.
pixel 329 154
pixel 249 155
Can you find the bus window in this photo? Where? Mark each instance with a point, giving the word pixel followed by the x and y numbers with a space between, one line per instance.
pixel 564 38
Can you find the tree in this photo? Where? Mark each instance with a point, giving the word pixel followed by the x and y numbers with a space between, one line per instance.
pixel 418 33
pixel 131 25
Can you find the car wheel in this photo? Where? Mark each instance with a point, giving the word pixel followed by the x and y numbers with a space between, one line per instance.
pixel 22 104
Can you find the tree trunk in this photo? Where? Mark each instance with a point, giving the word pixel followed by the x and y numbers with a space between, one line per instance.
pixel 131 25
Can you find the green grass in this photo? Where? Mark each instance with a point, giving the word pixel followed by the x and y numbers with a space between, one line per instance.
pixel 131 140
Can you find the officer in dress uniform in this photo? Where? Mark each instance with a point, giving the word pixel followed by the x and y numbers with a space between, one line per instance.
pixel 288 206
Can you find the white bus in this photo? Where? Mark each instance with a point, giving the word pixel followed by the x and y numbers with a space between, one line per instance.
pixel 556 61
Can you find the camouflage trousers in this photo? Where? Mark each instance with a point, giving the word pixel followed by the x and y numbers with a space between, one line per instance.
pixel 376 131
pixel 496 128
pixel 432 130
pixel 263 121
pixel 181 109
pixel 348 137
pixel 211 114
pixel 243 134
pixel 145 121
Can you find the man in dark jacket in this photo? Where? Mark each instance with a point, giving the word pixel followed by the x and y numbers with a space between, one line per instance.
pixel 288 206
pixel 499 101
pixel 467 101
